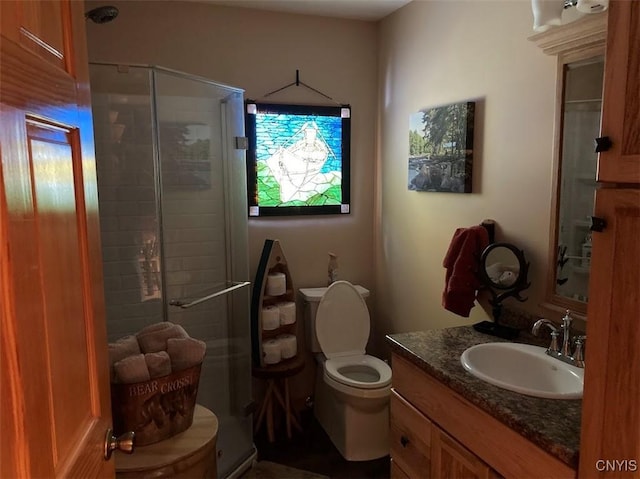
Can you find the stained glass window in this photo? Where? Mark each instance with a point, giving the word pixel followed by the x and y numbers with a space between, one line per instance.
pixel 297 159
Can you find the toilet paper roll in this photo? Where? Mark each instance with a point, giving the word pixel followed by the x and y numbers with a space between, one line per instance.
pixel 287 312
pixel 288 345
pixel 276 284
pixel 271 351
pixel 270 318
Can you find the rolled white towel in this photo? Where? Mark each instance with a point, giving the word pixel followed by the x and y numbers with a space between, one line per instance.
pixel 159 364
pixel 120 349
pixel 132 369
pixel 185 352
pixel 154 337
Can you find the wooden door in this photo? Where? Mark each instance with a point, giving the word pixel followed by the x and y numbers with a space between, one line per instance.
pixel 54 375
pixel 621 96
pixel 610 434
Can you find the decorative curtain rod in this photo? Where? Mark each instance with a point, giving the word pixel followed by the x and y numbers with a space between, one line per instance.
pixel 300 83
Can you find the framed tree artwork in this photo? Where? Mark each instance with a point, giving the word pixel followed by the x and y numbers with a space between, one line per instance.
pixel 441 148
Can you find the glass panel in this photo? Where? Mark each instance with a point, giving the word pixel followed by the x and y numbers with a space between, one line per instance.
pixel 196 147
pixel 172 191
pixel 581 125
pixel 122 116
pixel 298 159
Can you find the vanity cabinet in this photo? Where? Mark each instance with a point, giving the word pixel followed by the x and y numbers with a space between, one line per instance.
pixel 436 433
pixel 420 449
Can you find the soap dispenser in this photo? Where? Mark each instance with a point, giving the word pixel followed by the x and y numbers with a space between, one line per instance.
pixel 332 269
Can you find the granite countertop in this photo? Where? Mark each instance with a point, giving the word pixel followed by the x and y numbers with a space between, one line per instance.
pixel 552 424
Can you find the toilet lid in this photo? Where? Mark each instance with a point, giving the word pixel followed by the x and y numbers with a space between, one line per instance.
pixel 342 321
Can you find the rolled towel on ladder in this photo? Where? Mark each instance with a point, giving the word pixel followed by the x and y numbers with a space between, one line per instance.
pixel 159 364
pixel 132 369
pixel 153 338
pixel 185 352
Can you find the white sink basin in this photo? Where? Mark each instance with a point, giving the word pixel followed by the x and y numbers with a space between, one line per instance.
pixel 525 369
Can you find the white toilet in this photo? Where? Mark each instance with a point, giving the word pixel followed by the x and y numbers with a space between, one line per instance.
pixel 352 388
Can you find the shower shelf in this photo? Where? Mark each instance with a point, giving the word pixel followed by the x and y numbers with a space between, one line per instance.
pixel 184 305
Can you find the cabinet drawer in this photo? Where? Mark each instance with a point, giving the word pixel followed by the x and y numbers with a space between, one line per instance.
pixel 410 438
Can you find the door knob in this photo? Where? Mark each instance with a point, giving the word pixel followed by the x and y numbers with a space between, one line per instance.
pixel 124 442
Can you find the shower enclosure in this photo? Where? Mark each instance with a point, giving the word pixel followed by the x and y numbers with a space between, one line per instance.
pixel 172 196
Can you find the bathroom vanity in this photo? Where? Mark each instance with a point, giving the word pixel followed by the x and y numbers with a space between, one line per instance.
pixel 447 423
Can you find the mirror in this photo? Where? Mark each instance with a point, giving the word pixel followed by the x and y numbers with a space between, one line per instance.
pixel 501 266
pixel 503 271
pixel 576 182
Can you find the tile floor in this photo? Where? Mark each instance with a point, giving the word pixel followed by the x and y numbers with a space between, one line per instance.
pixel 312 450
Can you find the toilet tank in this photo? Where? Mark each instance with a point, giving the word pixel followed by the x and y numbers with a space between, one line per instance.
pixel 311 298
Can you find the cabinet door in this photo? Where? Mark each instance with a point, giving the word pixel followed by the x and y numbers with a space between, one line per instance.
pixel 397 472
pixel 621 101
pixel 611 409
pixel 410 439
pixel 451 460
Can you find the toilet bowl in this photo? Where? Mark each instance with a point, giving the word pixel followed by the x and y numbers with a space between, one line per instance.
pixel 352 388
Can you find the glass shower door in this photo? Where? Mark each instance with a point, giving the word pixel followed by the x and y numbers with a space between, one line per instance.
pixel 204 244
pixel 172 195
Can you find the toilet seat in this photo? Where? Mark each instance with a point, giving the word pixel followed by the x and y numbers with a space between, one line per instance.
pixel 362 371
pixel 342 321
pixel 342 328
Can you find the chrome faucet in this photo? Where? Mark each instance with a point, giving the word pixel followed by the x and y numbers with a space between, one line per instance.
pixel 555 332
pixel 563 354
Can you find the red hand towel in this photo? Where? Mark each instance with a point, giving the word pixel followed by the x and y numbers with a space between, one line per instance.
pixel 462 262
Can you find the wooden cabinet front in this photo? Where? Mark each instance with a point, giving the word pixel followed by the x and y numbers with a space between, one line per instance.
pixel 410 440
pixel 613 433
pixel 451 460
pixel 421 450
pixel 621 100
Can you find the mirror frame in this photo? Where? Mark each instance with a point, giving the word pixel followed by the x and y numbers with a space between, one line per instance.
pixel 513 290
pixel 576 41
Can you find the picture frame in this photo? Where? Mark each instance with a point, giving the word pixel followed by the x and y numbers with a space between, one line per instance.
pixel 298 159
pixel 441 148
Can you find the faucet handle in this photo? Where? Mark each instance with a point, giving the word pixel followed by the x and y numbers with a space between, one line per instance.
pixel 554 346
pixel 578 354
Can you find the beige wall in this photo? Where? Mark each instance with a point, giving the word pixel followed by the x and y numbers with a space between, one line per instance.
pixel 438 52
pixel 260 51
